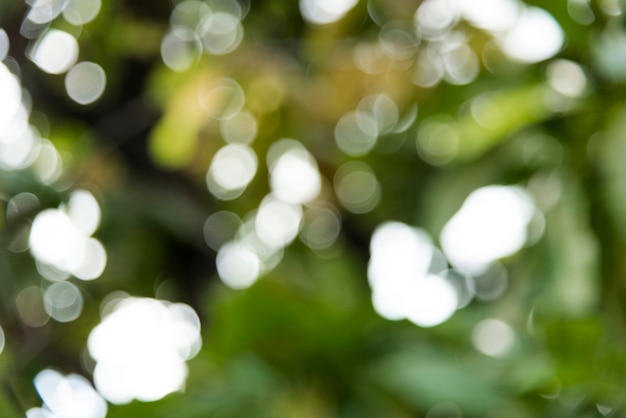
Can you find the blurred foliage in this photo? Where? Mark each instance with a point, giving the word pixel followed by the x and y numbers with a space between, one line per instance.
pixel 305 340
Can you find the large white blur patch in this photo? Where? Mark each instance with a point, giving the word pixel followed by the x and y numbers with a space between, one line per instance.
pixel 294 176
pixel 536 36
pixel 491 224
pixel 400 275
pixel 60 238
pixel 141 348
pixel 70 396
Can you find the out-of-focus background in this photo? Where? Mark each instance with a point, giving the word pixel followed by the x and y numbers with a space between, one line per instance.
pixel 323 208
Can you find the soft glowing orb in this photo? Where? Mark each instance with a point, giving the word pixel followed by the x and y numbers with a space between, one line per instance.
pixel 55 52
pixel 70 396
pixel 491 224
pixel 294 177
pixel 140 348
pixel 535 37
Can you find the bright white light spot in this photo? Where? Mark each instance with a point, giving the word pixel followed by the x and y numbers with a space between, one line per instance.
pixel 567 78
pixel 89 260
pixel 70 396
pixel 52 236
pixel 535 37
pixel 493 337
pixel 356 133
pixel 277 222
pixel 433 17
pixel 241 128
pixel 320 228
pixel 399 253
pixel 10 102
pixel 322 12
pixel 2 340
pixel 59 239
pixel 140 349
pixel 398 273
pixel 83 210
pixel 63 301
pixel 179 50
pixel 56 52
pixel 85 82
pixel 22 151
pixel 232 169
pixel 294 177
pixel 491 15
pixel 237 265
pixel 492 223
pixel 357 187
pixel 4 44
pixel 433 301
pixel 79 12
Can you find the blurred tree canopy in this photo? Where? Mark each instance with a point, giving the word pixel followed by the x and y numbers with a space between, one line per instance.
pixel 228 208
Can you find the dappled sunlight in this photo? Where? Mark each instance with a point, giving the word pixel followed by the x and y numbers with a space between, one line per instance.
pixel 141 347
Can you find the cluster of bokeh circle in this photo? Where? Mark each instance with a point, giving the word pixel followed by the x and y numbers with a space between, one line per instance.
pixel 410 276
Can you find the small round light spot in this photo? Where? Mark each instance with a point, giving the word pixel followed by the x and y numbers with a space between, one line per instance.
pixel 55 52
pixel 85 82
